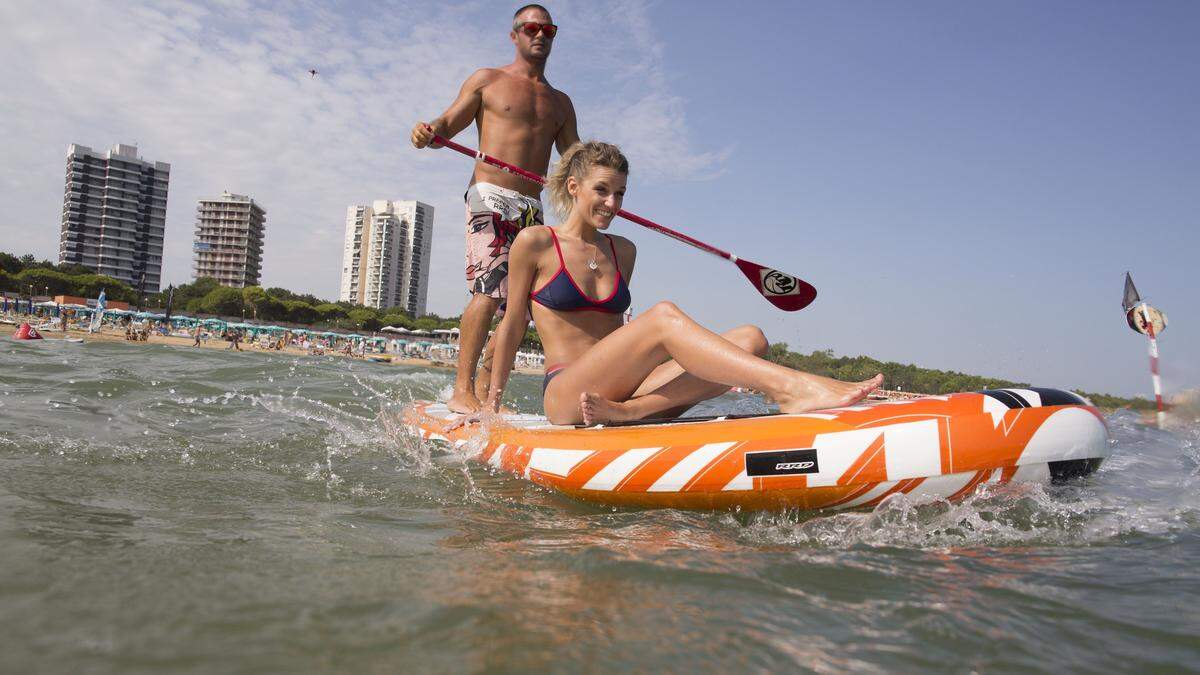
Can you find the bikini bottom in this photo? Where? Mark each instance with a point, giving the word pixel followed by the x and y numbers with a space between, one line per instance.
pixel 551 372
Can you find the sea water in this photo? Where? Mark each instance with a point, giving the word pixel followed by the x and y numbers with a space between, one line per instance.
pixel 173 510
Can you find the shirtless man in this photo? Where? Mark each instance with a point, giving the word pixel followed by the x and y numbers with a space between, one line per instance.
pixel 520 117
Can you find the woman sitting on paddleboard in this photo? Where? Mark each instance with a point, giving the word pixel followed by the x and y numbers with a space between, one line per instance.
pixel 575 282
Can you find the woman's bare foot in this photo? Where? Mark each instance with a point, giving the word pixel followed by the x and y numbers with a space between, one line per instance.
pixel 813 392
pixel 463 402
pixel 597 410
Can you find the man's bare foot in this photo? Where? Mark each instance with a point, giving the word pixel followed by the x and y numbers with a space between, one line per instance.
pixel 463 402
pixel 597 410
pixel 813 392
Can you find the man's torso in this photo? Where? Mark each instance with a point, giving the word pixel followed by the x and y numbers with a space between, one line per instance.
pixel 518 121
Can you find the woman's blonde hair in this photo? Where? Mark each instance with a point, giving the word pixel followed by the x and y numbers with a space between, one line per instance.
pixel 575 162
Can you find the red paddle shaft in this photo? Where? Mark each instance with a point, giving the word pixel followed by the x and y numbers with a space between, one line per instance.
pixel 785 291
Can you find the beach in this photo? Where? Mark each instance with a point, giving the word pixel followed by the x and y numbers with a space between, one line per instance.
pixel 111 335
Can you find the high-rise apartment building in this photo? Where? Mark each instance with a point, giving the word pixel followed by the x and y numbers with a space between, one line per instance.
pixel 386 259
pixel 229 240
pixel 114 214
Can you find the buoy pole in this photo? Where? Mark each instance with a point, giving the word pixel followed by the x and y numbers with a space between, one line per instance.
pixel 1158 399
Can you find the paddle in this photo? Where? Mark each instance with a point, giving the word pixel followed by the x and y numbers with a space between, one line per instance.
pixel 783 290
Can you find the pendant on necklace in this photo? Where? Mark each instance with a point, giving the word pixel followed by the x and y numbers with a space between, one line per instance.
pixel 592 265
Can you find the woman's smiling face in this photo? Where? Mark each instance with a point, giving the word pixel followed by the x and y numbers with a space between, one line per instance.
pixel 598 196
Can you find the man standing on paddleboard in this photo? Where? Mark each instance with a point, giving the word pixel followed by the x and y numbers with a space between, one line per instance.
pixel 520 118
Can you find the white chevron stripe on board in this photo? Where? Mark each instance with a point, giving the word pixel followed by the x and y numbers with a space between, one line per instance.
pixel 497 456
pixel 994 408
pixel 867 496
pixel 617 470
pixel 687 468
pixel 942 486
pixel 556 461
pixel 1033 398
pixel 911 450
pixel 742 481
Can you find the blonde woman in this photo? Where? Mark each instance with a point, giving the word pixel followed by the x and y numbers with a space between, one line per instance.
pixel 574 280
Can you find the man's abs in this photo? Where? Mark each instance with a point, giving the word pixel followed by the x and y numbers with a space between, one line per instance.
pixel 518 123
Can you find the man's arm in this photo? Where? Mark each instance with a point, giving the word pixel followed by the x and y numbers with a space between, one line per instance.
pixel 459 114
pixel 568 134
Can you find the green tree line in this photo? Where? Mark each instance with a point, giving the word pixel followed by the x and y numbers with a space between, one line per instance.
pixel 916 379
pixel 206 296
pixel 27 276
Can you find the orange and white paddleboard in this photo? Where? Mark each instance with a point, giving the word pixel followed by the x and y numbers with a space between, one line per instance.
pixel 943 446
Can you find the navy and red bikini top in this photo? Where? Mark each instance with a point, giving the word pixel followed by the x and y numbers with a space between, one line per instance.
pixel 563 294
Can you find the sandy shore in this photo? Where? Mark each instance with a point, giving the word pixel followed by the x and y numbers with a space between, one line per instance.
pixel 6 331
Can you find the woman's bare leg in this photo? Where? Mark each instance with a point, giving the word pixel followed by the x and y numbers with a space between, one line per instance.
pixel 616 367
pixel 670 390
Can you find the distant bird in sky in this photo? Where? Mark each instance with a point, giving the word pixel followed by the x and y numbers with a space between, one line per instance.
pixel 313 73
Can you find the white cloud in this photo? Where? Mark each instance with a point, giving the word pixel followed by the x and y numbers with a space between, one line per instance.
pixel 220 91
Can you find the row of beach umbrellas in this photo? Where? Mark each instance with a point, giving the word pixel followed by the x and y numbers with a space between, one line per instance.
pixel 420 333
pixel 222 324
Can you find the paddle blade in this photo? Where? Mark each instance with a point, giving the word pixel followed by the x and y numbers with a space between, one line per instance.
pixel 782 290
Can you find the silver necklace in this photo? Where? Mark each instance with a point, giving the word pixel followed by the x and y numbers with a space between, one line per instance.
pixel 592 264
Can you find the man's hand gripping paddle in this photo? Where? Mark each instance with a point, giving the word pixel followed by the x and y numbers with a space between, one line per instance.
pixel 783 290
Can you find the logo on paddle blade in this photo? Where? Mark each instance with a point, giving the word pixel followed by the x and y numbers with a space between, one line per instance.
pixel 775 282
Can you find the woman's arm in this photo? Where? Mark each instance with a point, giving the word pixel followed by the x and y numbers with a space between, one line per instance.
pixel 626 256
pixel 522 269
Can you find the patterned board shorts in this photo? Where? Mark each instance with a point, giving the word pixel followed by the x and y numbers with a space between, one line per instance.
pixel 494 217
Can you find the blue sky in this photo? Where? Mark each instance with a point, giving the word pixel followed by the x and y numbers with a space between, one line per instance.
pixel 965 183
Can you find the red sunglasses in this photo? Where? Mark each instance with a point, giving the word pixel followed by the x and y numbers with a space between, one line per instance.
pixel 531 28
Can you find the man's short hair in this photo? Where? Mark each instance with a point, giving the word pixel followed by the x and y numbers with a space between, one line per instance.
pixel 530 6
